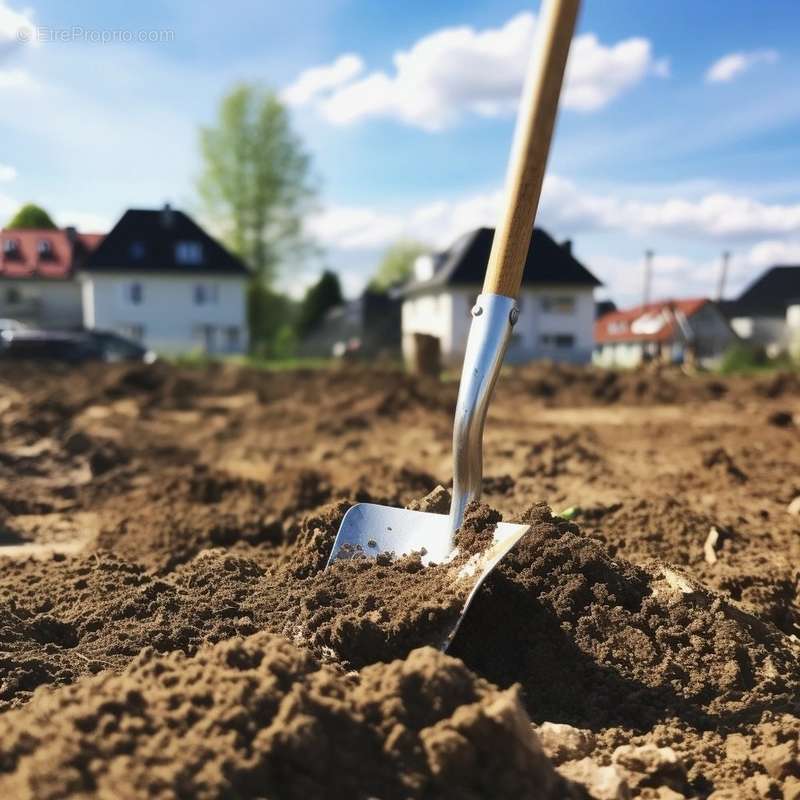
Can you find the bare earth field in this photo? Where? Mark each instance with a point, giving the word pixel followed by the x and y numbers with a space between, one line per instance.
pixel 166 629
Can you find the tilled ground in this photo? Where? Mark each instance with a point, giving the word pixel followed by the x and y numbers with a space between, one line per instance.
pixel 166 629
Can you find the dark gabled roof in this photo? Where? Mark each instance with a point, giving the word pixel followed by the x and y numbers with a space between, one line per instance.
pixel 770 295
pixel 464 263
pixel 144 240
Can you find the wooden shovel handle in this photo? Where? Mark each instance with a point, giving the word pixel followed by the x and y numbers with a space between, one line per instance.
pixel 537 116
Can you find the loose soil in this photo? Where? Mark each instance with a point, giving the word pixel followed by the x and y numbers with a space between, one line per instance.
pixel 167 628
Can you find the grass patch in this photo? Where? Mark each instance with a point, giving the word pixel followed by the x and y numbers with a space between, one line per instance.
pixel 742 359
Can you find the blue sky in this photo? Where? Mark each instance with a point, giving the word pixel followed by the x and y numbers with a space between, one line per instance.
pixel 679 129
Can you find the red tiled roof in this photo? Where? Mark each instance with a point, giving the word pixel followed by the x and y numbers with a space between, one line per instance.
pixel 654 322
pixel 63 258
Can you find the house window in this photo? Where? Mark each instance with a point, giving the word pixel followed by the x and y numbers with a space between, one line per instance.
pixel 134 293
pixel 11 248
pixel 206 294
pixel 232 336
pixel 44 248
pixel 137 251
pixel 559 340
pixel 13 296
pixel 189 253
pixel 558 304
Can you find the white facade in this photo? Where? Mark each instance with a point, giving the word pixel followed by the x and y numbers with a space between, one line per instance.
pixel 170 314
pixel 793 329
pixel 772 333
pixel 556 322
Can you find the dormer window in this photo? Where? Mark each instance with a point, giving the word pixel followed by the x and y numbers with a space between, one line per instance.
pixel 137 251
pixel 189 253
pixel 11 248
pixel 44 248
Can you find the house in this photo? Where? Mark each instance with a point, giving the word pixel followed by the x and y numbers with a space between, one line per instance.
pixel 556 300
pixel 159 278
pixel 156 277
pixel 38 269
pixel 670 330
pixel 762 314
pixel 367 326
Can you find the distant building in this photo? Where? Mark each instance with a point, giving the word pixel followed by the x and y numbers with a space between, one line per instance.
pixel 670 331
pixel 157 277
pixel 38 276
pixel 367 326
pixel 763 313
pixel 603 307
pixel 556 300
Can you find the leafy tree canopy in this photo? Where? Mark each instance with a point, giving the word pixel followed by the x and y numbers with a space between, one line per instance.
pixel 255 181
pixel 397 265
pixel 325 294
pixel 31 216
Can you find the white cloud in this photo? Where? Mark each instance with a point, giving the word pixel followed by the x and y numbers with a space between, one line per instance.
pixel 730 66
pixel 313 82
pixel 461 70
pixel 774 251
pixel 436 224
pixel 16 28
pixel 17 79
pixel 7 173
pixel 566 209
pixel 596 74
pixel 715 215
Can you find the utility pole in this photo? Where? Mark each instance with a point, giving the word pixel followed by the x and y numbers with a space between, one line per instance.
pixel 723 275
pixel 648 276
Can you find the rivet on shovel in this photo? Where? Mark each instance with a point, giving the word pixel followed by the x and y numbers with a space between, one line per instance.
pixel 400 531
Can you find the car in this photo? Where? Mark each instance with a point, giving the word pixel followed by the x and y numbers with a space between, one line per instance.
pixel 70 347
pixel 12 325
pixel 118 348
pixel 34 345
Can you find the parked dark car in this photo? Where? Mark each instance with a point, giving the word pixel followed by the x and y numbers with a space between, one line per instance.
pixel 117 348
pixel 72 348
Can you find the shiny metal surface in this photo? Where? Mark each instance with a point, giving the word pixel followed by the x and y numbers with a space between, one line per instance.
pixel 493 318
pixel 370 529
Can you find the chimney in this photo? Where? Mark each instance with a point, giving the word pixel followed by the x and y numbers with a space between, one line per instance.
pixel 567 245
pixel 72 233
pixel 167 216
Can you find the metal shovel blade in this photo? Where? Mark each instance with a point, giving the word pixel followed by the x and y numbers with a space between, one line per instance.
pixel 368 529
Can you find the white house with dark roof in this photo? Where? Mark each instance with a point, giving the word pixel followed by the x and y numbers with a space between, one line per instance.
pixel 557 308
pixel 160 279
pixel 156 277
pixel 767 312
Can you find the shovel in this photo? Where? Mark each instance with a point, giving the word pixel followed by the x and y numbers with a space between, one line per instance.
pixel 368 529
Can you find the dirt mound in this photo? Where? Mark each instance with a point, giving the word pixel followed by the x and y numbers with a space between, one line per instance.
pixel 217 494
pixel 257 717
pixel 598 642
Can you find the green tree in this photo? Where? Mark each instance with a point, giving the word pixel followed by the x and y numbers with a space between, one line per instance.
pixel 269 315
pixel 325 294
pixel 255 181
pixel 30 216
pixel 397 265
